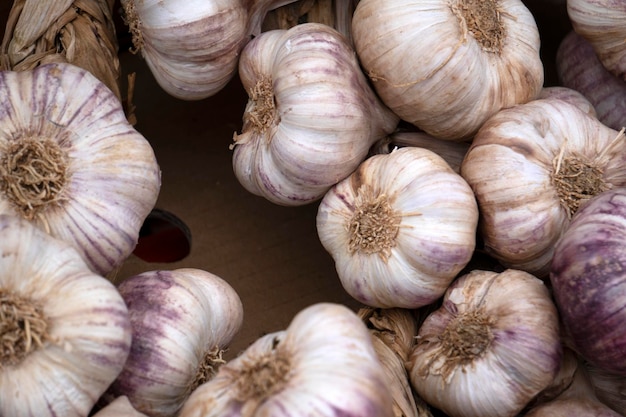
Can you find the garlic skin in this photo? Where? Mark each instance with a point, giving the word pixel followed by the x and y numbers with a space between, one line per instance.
pixel 400 228
pixel 71 163
pixel 491 347
pixel 531 167
pixel 322 365
pixel 65 331
pixel 430 66
pixel 311 116
pixel 120 407
pixel 601 23
pixel 182 321
pixel 192 47
pixel 571 96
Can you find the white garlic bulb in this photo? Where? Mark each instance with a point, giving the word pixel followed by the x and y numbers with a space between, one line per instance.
pixel 71 163
pixel 601 23
pixel 531 167
pixel 446 66
pixel 571 96
pixel 311 116
pixel 182 321
pixel 192 46
pixel 400 228
pixel 490 348
pixel 322 365
pixel 64 331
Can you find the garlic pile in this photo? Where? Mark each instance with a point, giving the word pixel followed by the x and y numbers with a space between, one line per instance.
pixel 64 331
pixel 446 66
pixel 492 346
pixel 400 228
pixel 322 364
pixel 311 115
pixel 71 163
pixel 182 321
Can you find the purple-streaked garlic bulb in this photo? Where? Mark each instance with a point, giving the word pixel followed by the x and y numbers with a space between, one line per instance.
pixel 492 346
pixel 588 276
pixel 65 332
pixel 322 364
pixel 71 163
pixel 400 228
pixel 311 115
pixel 182 321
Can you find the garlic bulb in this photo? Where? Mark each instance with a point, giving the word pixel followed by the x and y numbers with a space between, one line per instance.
pixel 311 116
pixel 601 23
pixel 72 164
pixel 120 407
pixel 399 229
pixel 192 47
pixel 579 68
pixel 490 348
pixel 182 321
pixel 64 331
pixel 531 167
pixel 323 364
pixel 446 66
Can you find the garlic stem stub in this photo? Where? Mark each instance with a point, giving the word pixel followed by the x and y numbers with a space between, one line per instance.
pixel 323 364
pixel 400 228
pixel 311 115
pixel 192 46
pixel 64 331
pixel 71 163
pixel 182 322
pixel 492 346
pixel 448 65
pixel 589 282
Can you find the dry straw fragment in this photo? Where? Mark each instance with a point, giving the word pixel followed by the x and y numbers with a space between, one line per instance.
pixel 79 32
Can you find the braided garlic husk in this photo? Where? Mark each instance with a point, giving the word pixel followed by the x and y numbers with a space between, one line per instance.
pixel 393 334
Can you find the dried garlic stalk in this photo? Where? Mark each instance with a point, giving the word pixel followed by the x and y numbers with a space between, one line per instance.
pixel 79 32
pixel 334 13
pixel 393 333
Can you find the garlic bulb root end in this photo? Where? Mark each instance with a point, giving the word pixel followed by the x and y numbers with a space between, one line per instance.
pixel 24 328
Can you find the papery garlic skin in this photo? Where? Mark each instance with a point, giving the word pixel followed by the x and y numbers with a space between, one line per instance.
pixel 120 407
pixel 490 348
pixel 431 69
pixel 601 23
pixel 101 178
pixel 182 321
pixel 400 228
pixel 192 47
pixel 571 96
pixel 518 167
pixel 311 116
pixel 87 334
pixel 322 365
